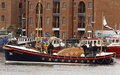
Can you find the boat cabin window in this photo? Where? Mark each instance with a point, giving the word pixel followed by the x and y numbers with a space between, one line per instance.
pixel 113 41
pixel 89 42
pixel 117 41
pixel 94 41
pixel 56 41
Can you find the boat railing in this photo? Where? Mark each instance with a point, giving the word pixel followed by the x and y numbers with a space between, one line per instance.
pixel 24 39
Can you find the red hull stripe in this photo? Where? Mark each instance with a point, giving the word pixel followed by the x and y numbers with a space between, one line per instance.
pixel 59 57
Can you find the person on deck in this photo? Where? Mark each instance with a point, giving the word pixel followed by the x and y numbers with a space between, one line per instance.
pixel 50 48
pixel 42 44
pixel 45 47
pixel 95 49
pixel 85 49
pixel 75 45
pixel 90 49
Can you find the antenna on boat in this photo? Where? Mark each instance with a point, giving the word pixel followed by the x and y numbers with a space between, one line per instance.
pixel 101 35
pixel 38 23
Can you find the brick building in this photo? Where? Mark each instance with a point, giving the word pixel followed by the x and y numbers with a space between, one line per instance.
pixel 62 18
pixel 10 15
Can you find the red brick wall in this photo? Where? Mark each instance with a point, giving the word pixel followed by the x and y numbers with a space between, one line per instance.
pixel 6 12
pixel 49 13
pixel 11 13
pixel 110 8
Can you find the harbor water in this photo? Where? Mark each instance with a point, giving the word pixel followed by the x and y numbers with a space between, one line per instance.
pixel 40 69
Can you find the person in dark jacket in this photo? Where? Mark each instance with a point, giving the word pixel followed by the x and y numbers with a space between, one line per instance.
pixel 95 49
pixel 85 49
pixel 90 49
pixel 50 48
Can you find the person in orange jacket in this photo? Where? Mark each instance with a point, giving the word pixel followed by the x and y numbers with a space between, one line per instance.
pixel 45 47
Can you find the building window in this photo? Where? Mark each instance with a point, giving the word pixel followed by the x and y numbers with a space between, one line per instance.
pixel 20 19
pixel 2 18
pixel 64 5
pixel 31 34
pixel 81 7
pixel 48 20
pixel 90 5
pixel 64 20
pixel 31 20
pixel 63 35
pixel 3 5
pixel 31 6
pixel 89 20
pixel 74 35
pixel 74 4
pixel 74 18
pixel 48 5
pixel 89 34
pixel 20 5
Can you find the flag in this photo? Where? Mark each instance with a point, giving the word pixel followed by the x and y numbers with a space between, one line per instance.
pixel 106 26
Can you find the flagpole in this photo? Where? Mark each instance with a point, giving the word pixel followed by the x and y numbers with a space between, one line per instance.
pixel 102 35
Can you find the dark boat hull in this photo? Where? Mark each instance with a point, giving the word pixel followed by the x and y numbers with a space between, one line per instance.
pixel 1 49
pixel 18 55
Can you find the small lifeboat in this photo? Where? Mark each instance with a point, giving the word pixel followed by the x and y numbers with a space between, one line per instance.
pixel 17 54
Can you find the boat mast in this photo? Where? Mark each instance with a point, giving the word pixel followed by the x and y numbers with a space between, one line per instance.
pixel 102 35
pixel 38 23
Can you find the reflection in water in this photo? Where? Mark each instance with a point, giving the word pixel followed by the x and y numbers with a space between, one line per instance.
pixel 39 69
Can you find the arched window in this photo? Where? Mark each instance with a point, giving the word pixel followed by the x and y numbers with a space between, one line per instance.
pixel 41 8
pixel 81 7
pixel 81 18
